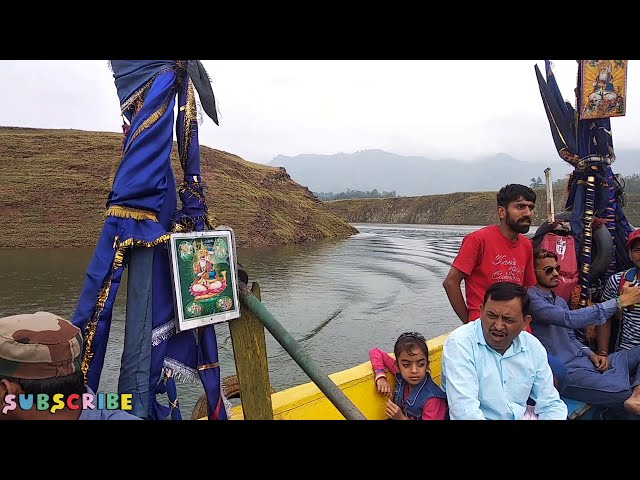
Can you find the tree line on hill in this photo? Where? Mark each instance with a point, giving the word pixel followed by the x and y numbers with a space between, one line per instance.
pixel 355 194
pixel 631 185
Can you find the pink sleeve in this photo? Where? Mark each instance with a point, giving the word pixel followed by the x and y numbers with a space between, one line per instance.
pixel 468 255
pixel 434 409
pixel 380 359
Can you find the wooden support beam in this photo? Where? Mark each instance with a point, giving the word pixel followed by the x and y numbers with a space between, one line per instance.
pixel 252 368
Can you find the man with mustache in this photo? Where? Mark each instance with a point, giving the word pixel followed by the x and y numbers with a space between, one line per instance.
pixel 599 379
pixel 496 253
pixel 492 367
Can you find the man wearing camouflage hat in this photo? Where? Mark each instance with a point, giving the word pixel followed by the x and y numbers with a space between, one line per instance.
pixel 40 356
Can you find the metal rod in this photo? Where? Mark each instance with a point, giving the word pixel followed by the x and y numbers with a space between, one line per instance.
pixel 550 211
pixel 324 383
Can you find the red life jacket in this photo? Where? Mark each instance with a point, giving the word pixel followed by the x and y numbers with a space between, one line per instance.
pixel 565 248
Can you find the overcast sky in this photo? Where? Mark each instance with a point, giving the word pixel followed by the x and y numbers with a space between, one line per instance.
pixel 438 109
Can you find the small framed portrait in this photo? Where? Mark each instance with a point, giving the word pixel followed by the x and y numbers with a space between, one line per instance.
pixel 603 88
pixel 204 270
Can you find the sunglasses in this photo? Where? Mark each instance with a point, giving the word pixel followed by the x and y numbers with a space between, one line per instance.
pixel 549 270
pixel 411 335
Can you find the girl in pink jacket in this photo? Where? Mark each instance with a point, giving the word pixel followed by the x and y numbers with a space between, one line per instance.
pixel 416 396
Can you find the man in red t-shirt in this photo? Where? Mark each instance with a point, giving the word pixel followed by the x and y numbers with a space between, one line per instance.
pixel 497 253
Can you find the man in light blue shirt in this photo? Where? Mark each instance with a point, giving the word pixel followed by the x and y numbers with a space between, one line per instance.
pixel 491 367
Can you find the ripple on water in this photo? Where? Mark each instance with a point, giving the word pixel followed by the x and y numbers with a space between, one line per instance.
pixel 337 298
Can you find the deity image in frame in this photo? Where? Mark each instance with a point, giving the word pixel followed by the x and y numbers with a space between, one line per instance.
pixel 603 88
pixel 204 270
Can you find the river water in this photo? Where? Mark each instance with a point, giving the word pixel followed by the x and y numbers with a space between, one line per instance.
pixel 337 298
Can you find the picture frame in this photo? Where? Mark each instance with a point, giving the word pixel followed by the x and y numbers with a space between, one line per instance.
pixel 603 91
pixel 204 274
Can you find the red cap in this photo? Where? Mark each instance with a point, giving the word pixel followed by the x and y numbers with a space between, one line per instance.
pixel 633 236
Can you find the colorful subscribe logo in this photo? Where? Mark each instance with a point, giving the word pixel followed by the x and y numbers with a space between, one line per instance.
pixel 86 401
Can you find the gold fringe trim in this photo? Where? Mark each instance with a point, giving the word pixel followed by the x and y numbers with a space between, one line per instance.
pixel 135 96
pixel 141 91
pixel 567 156
pixel 184 187
pixel 118 260
pixel 88 354
pixel 153 118
pixel 126 212
pixel 92 326
pixel 130 242
pixel 188 225
pixel 185 225
pixel 210 221
pixel 208 366
pixel 190 119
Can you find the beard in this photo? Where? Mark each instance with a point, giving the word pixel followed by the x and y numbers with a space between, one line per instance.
pixel 520 226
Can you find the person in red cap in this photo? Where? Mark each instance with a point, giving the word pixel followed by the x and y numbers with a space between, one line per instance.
pixel 629 329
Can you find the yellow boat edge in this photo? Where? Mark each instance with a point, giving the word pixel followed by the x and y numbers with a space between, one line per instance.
pixel 307 402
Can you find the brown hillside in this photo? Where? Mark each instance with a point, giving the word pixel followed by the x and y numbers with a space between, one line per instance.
pixel 472 208
pixel 54 185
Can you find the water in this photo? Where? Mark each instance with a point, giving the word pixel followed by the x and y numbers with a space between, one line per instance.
pixel 337 298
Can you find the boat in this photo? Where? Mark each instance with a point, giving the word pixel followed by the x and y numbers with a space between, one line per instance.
pixel 593 216
pixel 308 402
pixel 130 232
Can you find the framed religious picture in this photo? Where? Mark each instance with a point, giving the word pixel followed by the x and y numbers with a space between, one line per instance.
pixel 603 88
pixel 204 270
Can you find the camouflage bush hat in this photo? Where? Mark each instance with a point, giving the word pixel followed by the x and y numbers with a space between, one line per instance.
pixel 39 345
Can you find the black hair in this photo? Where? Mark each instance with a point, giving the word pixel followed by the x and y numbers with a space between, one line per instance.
pixel 504 291
pixel 408 341
pixel 540 254
pixel 513 192
pixel 67 385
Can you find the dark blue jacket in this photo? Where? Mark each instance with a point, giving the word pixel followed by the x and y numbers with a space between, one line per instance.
pixel 424 391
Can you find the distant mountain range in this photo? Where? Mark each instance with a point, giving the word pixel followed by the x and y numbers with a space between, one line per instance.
pixel 412 175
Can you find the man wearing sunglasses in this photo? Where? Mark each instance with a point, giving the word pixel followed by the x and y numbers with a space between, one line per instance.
pixel 600 380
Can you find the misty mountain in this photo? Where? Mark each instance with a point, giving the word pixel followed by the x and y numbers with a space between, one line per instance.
pixel 413 175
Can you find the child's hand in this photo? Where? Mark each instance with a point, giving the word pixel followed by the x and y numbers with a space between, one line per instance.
pixel 394 412
pixel 383 386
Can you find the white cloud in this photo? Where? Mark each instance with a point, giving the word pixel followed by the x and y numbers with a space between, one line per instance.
pixel 444 108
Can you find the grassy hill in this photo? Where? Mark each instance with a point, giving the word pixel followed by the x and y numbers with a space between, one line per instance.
pixel 54 185
pixel 473 208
